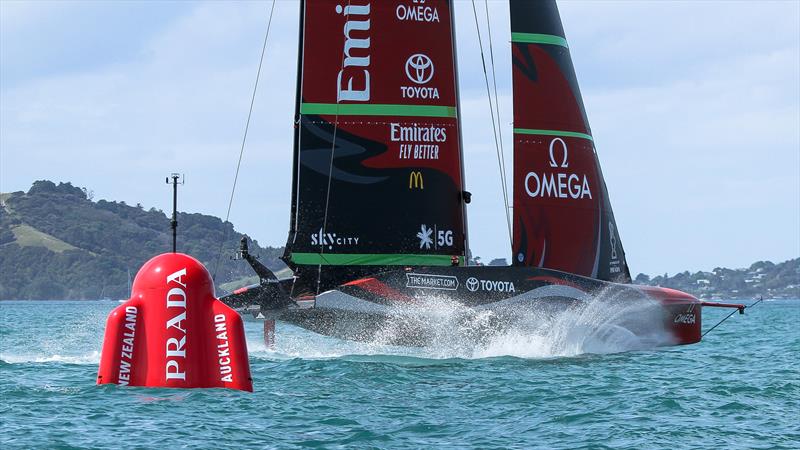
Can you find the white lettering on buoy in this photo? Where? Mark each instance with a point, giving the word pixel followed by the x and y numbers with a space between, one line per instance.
pixel 175 348
pixel 126 356
pixel 223 349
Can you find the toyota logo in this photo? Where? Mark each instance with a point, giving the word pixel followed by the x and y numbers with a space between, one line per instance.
pixel 419 68
pixel 472 284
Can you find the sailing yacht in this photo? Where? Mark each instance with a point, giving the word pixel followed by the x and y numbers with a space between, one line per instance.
pixel 378 223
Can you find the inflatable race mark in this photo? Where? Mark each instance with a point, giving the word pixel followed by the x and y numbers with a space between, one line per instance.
pixel 173 332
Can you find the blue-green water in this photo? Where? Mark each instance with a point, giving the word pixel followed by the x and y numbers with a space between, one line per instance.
pixel 740 387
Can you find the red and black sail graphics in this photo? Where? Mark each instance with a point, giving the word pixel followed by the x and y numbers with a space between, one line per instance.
pixel 562 215
pixel 377 141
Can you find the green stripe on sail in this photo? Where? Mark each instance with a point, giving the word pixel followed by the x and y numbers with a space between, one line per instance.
pixel 368 109
pixel 339 259
pixel 534 38
pixel 553 133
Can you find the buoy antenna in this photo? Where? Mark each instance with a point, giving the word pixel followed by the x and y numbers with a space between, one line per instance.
pixel 175 179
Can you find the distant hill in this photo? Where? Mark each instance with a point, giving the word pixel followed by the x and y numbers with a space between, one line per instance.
pixel 56 243
pixel 761 278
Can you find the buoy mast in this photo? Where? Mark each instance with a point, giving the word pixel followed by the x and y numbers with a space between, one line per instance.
pixel 174 222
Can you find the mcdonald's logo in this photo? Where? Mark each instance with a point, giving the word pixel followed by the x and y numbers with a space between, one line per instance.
pixel 415 180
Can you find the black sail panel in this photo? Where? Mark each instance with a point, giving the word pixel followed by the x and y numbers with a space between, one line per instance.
pixel 562 214
pixel 378 177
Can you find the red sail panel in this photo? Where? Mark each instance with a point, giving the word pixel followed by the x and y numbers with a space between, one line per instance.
pixel 555 203
pixel 562 216
pixel 378 138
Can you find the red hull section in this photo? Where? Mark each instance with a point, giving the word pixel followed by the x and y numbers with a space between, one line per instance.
pixel 682 313
pixel 173 332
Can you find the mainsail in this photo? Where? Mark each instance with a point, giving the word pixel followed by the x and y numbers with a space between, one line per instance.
pixel 562 214
pixel 378 177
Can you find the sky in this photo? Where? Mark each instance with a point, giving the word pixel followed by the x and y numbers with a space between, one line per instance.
pixel 694 107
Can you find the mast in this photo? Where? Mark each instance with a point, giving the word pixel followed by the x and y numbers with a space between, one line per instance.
pixel 562 214
pixel 296 138
pixel 174 221
pixel 466 197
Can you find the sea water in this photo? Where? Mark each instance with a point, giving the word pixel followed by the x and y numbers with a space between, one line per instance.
pixel 571 384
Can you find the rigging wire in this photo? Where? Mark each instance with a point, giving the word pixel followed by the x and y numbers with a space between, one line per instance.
pixel 244 140
pixel 761 299
pixel 497 109
pixel 495 126
pixel 330 175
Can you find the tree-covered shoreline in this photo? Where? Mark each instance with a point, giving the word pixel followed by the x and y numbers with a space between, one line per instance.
pixel 56 242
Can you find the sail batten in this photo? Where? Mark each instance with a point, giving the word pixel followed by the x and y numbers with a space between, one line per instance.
pixel 372 109
pixel 539 38
pixel 348 259
pixel 553 133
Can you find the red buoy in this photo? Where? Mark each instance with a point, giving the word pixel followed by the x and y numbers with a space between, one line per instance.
pixel 173 332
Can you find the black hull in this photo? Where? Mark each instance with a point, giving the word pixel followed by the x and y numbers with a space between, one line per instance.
pixel 411 306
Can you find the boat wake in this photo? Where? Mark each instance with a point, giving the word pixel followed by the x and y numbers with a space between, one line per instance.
pixel 75 338
pixel 601 324
pixel 92 357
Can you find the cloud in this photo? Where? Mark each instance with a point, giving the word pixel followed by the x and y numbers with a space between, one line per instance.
pixel 180 105
pixel 694 107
